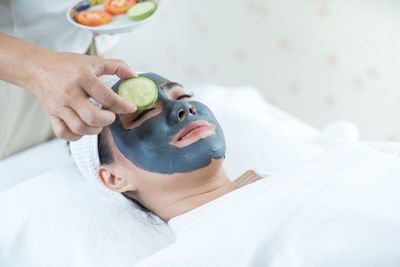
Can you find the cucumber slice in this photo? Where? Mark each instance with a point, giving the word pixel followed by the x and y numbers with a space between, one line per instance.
pixel 141 91
pixel 142 10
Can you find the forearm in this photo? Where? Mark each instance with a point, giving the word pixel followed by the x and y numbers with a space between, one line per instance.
pixel 18 60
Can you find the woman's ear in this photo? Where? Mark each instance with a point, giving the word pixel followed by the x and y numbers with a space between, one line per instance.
pixel 112 181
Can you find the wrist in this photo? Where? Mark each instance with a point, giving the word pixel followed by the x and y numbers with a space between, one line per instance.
pixel 34 69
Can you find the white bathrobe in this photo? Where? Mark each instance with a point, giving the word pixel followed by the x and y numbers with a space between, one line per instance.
pixel 340 209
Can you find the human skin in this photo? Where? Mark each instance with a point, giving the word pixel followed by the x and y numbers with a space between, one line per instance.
pixel 63 83
pixel 167 195
pixel 161 143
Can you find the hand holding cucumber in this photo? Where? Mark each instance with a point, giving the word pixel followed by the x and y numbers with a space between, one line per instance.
pixel 63 82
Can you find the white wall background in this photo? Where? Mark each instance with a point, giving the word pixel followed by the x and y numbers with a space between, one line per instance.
pixel 319 60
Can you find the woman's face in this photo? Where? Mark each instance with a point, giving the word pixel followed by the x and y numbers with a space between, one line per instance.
pixel 165 151
pixel 174 135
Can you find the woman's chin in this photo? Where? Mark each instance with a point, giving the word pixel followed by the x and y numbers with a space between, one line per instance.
pixel 214 166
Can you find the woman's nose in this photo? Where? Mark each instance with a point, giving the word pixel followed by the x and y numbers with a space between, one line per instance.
pixel 180 110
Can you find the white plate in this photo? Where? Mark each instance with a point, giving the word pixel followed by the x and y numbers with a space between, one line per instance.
pixel 119 23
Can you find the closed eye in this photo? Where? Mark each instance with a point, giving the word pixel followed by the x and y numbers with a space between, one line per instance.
pixel 141 114
pixel 184 96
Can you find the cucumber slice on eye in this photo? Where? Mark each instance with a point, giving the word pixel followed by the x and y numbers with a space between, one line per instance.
pixel 142 10
pixel 141 91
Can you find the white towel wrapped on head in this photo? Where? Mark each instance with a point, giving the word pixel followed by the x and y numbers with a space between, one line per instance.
pixel 86 156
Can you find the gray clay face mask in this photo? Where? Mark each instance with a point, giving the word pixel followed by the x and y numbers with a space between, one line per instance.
pixel 148 146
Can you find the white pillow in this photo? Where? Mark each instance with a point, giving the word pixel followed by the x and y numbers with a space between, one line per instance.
pixel 57 219
pixel 34 161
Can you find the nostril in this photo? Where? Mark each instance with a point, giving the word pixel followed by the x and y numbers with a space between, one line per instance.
pixel 192 110
pixel 181 115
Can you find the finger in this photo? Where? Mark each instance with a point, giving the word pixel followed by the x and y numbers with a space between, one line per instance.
pixel 95 88
pixel 61 130
pixel 75 123
pixel 91 115
pixel 116 67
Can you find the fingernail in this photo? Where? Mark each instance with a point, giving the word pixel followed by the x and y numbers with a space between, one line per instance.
pixel 133 108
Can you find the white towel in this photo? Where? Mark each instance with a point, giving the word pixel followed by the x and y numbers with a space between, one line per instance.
pixel 59 219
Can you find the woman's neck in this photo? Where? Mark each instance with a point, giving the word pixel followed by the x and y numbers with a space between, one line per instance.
pixel 213 187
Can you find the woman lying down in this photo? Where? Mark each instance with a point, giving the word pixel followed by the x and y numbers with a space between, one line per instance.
pixel 341 209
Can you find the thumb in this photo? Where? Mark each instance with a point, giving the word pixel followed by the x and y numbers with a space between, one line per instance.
pixel 115 67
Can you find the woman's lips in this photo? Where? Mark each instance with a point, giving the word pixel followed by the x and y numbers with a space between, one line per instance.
pixel 192 133
pixel 191 129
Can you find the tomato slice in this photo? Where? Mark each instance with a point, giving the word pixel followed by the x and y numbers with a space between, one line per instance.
pixel 117 7
pixel 93 17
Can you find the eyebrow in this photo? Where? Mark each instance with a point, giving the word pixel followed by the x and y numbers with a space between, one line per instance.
pixel 169 85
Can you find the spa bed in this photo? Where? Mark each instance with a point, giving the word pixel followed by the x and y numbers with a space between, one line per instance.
pixel 52 218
